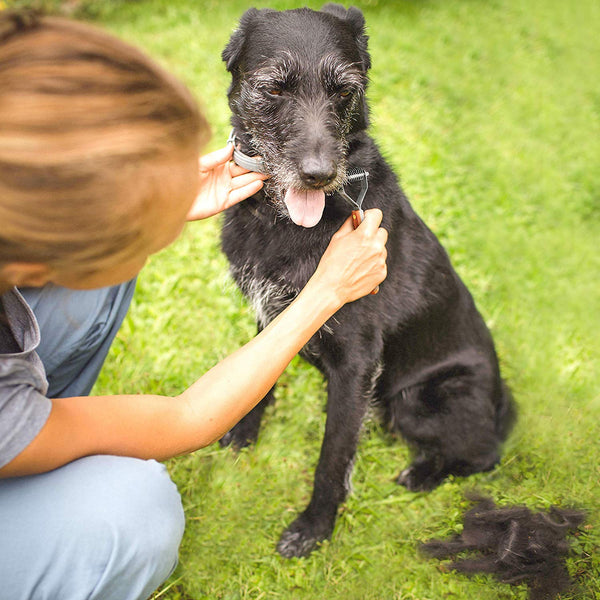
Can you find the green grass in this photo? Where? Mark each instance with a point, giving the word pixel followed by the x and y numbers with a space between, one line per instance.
pixel 490 113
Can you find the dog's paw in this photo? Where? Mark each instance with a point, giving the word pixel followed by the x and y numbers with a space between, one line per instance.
pixel 302 537
pixel 421 477
pixel 240 436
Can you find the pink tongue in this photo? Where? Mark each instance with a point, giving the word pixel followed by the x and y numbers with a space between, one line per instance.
pixel 305 206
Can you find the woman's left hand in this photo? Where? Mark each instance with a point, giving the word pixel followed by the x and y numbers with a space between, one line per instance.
pixel 222 184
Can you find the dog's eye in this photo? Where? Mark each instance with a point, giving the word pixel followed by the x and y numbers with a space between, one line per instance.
pixel 345 93
pixel 274 91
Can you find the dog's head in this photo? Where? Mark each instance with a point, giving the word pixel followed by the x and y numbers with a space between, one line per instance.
pixel 297 93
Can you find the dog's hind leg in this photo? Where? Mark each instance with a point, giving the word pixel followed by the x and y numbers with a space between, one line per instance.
pixel 349 394
pixel 452 425
pixel 245 432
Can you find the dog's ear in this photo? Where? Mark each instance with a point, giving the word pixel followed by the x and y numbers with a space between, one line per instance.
pixel 354 17
pixel 233 50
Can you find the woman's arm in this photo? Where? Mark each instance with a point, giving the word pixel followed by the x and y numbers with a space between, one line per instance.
pixel 151 426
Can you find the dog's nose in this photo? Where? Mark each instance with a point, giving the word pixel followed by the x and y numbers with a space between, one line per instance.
pixel 315 172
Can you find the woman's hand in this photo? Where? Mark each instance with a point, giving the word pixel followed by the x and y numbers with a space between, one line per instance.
pixel 222 184
pixel 354 263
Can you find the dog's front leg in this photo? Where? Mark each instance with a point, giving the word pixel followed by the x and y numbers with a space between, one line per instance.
pixel 245 432
pixel 349 394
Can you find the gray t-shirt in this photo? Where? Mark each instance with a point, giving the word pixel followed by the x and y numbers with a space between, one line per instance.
pixel 24 407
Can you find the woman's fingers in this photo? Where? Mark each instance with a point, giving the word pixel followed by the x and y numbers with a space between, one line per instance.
pixel 372 220
pixel 247 177
pixel 238 194
pixel 207 162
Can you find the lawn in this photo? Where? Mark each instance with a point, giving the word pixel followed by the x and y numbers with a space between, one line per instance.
pixel 490 114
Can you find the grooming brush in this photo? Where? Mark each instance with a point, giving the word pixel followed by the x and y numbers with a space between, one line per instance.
pixel 353 175
pixel 358 214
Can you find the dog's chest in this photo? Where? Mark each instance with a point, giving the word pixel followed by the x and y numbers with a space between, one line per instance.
pixel 271 264
pixel 268 296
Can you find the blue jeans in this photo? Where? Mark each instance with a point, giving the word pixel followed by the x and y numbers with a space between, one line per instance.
pixel 101 527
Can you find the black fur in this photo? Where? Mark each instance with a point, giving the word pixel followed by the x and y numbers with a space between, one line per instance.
pixel 419 349
pixel 514 544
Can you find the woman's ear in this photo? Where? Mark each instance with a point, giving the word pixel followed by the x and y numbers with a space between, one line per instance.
pixel 23 274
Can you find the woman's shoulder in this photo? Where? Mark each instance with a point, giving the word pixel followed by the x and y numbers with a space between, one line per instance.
pixel 19 331
pixel 19 338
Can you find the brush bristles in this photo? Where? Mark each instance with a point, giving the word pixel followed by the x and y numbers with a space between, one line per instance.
pixel 354 174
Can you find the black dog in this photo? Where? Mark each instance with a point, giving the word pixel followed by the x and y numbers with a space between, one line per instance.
pixel 419 349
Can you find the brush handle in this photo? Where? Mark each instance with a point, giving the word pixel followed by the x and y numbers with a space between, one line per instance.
pixel 357 218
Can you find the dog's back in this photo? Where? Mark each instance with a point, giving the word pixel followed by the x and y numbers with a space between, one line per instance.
pixel 419 348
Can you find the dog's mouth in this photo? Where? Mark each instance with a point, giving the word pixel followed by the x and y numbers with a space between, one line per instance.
pixel 305 207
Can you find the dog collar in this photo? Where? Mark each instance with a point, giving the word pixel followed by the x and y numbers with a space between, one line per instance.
pixel 252 163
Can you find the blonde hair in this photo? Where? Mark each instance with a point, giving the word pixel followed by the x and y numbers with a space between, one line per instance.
pixel 86 123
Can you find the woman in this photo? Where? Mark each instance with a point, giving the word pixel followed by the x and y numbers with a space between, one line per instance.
pixel 99 151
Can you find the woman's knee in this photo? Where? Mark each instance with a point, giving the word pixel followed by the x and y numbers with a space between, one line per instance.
pixel 141 504
pixel 101 527
pixel 145 526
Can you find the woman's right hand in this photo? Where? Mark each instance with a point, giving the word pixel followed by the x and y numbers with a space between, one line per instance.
pixel 354 263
